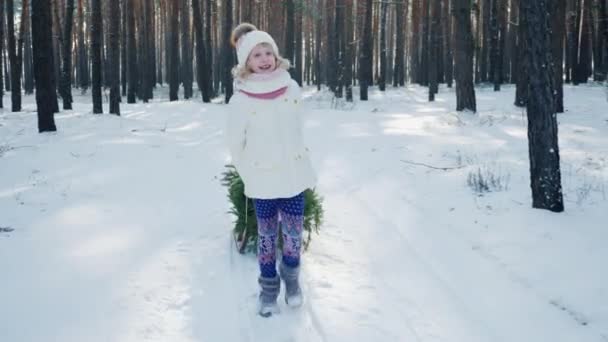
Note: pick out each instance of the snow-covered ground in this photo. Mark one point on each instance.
(115, 228)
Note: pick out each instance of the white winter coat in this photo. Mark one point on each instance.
(265, 140)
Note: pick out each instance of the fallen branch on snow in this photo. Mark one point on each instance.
(433, 167)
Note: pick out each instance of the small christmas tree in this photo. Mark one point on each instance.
(246, 228)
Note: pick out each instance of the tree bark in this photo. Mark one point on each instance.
(201, 56)
(96, 33)
(383, 63)
(43, 57)
(66, 76)
(365, 53)
(1, 53)
(133, 79)
(114, 54)
(186, 65)
(228, 59)
(12, 55)
(558, 23)
(545, 176)
(463, 56)
(434, 48)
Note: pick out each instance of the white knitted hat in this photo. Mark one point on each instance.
(248, 41)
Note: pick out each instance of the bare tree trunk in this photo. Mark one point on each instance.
(43, 57)
(383, 63)
(558, 23)
(114, 57)
(228, 59)
(132, 72)
(365, 53)
(66, 77)
(12, 55)
(545, 176)
(186, 64)
(96, 33)
(434, 48)
(201, 56)
(463, 55)
(448, 42)
(1, 53)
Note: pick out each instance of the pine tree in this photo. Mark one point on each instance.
(1, 53)
(96, 33)
(66, 76)
(545, 176)
(114, 57)
(43, 57)
(463, 56)
(15, 62)
(365, 53)
(228, 59)
(132, 68)
(201, 55)
(186, 64)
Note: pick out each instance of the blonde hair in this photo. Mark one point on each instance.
(244, 71)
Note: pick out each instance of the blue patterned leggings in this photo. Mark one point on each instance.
(290, 211)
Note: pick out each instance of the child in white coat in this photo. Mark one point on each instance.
(265, 137)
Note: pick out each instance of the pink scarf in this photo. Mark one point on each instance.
(266, 96)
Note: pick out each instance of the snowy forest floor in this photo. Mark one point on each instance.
(116, 228)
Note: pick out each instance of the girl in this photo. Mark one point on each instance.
(265, 137)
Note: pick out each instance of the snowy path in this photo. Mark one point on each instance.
(121, 232)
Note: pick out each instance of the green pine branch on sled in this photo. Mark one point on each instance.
(245, 224)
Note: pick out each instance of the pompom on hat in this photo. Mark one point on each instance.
(249, 40)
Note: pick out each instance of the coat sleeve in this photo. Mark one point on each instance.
(236, 129)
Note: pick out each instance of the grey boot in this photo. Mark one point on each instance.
(293, 292)
(267, 302)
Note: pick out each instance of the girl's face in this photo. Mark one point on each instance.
(261, 59)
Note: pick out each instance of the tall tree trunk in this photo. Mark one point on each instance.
(123, 47)
(173, 65)
(289, 44)
(28, 72)
(1, 53)
(317, 62)
(425, 60)
(348, 51)
(298, 63)
(209, 48)
(545, 177)
(186, 65)
(400, 19)
(463, 56)
(558, 23)
(83, 58)
(12, 55)
(486, 6)
(57, 38)
(415, 43)
(521, 92)
(383, 63)
(604, 33)
(513, 43)
(96, 33)
(448, 41)
(201, 56)
(228, 59)
(114, 54)
(43, 57)
(434, 48)
(66, 77)
(495, 56)
(365, 53)
(133, 79)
